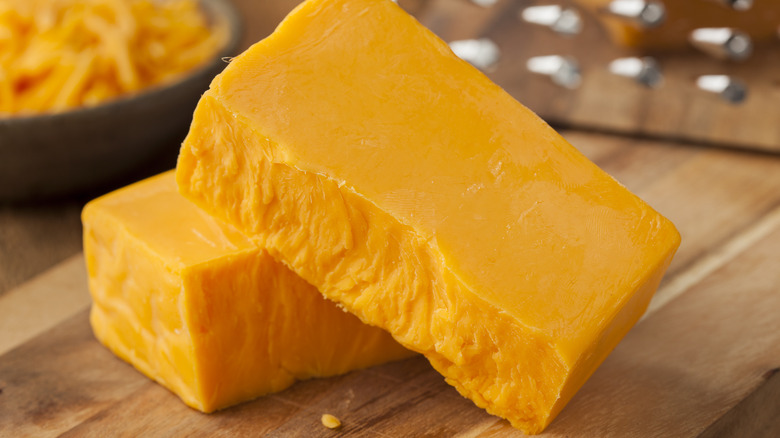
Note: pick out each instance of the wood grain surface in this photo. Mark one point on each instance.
(703, 362)
(35, 237)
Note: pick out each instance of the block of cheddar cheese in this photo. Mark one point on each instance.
(400, 181)
(195, 305)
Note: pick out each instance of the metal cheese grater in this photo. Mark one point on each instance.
(706, 71)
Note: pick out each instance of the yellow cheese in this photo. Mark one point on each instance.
(56, 55)
(194, 305)
(357, 148)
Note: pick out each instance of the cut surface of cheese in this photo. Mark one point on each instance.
(402, 183)
(195, 305)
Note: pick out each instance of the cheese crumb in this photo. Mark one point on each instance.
(330, 421)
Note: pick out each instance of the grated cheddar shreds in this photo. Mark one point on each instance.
(61, 54)
(330, 421)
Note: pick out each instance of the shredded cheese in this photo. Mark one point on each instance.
(61, 54)
(330, 421)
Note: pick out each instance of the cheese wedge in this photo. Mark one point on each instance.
(195, 305)
(761, 21)
(402, 183)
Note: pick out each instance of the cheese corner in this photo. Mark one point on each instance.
(196, 306)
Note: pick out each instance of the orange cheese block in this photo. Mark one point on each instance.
(195, 305)
(402, 183)
(683, 16)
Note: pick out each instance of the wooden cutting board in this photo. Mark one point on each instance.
(703, 361)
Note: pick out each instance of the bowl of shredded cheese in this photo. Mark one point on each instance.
(92, 89)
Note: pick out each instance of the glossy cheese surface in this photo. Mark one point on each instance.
(357, 148)
(195, 305)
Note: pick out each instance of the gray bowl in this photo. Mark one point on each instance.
(51, 155)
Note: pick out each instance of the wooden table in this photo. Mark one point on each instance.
(702, 362)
